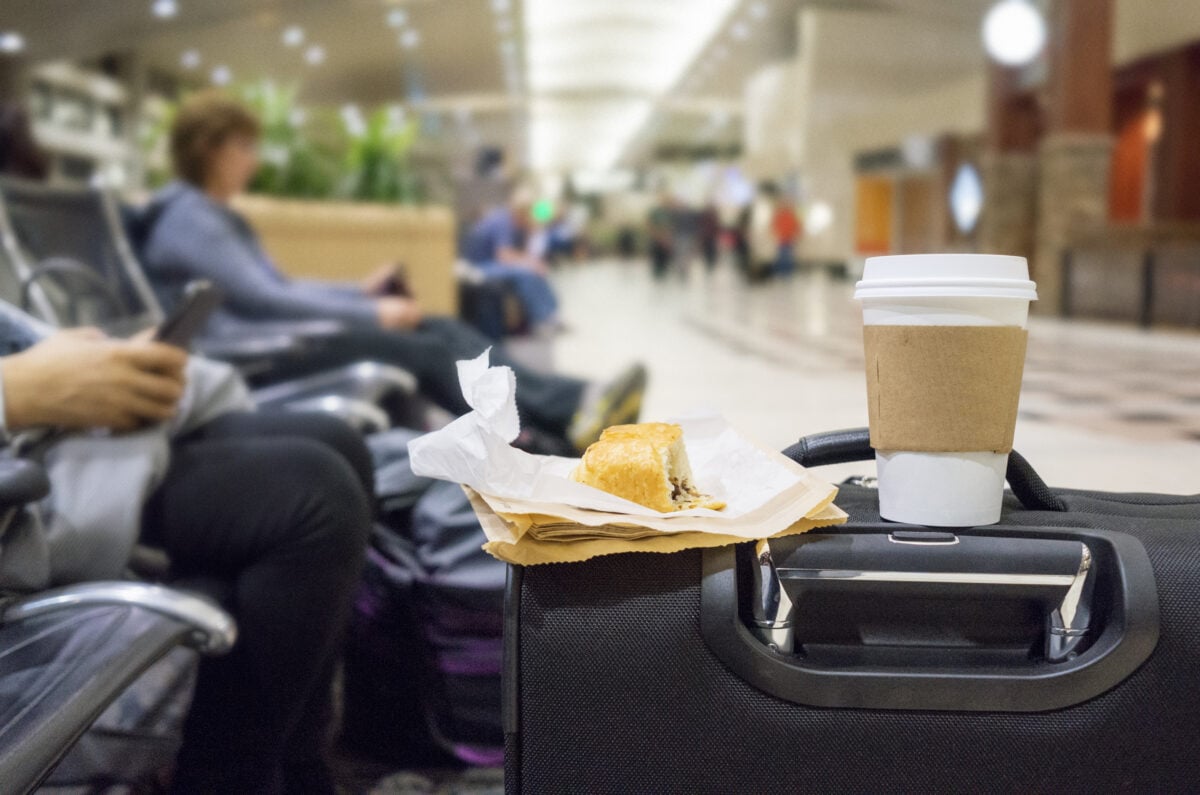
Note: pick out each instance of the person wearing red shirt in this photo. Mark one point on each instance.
(786, 226)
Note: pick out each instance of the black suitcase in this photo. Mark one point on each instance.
(1054, 652)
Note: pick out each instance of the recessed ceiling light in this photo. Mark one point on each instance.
(164, 9)
(1014, 32)
(397, 17)
(190, 59)
(221, 75)
(293, 35)
(298, 117)
(504, 25)
(500, 6)
(758, 10)
(315, 55)
(410, 38)
(740, 31)
(11, 41)
(508, 47)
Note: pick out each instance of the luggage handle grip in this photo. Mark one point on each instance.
(1056, 573)
(854, 444)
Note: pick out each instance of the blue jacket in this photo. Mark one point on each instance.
(194, 237)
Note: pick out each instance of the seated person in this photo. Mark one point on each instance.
(501, 245)
(196, 235)
(277, 506)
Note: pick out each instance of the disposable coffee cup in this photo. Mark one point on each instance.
(945, 341)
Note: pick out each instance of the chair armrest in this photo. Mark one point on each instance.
(66, 655)
(241, 349)
(366, 381)
(21, 482)
(213, 631)
(364, 417)
(308, 330)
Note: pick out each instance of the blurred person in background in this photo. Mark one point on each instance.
(763, 243)
(510, 246)
(710, 234)
(660, 231)
(788, 230)
(686, 223)
(194, 233)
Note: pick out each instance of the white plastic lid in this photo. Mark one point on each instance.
(956, 275)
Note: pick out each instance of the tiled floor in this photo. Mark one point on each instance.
(1105, 407)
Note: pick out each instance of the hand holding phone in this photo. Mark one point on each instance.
(200, 298)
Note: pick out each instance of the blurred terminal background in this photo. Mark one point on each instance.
(1064, 131)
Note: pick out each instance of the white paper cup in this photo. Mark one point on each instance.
(960, 489)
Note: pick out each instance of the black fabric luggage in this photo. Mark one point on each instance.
(423, 656)
(1054, 652)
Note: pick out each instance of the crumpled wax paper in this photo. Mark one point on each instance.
(765, 493)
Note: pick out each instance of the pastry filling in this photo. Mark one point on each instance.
(681, 488)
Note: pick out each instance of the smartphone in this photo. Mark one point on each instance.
(200, 298)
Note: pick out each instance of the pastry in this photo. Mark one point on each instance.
(646, 464)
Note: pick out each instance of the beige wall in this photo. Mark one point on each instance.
(840, 97)
(774, 120)
(1143, 27)
(846, 101)
(829, 168)
(346, 242)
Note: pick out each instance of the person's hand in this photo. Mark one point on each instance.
(401, 314)
(378, 281)
(79, 379)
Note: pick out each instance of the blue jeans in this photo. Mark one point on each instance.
(533, 291)
(785, 263)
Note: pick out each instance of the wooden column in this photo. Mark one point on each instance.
(1080, 76)
(1008, 166)
(1075, 156)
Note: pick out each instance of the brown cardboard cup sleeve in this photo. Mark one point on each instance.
(943, 389)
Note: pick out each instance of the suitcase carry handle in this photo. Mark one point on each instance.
(854, 444)
(881, 615)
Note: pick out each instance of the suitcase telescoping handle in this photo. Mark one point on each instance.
(878, 615)
(854, 444)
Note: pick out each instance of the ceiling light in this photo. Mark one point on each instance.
(740, 31)
(397, 17)
(596, 70)
(221, 75)
(164, 9)
(1014, 32)
(819, 217)
(293, 36)
(758, 10)
(315, 55)
(11, 41)
(966, 198)
(504, 25)
(508, 47)
(501, 6)
(190, 59)
(410, 39)
(298, 117)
